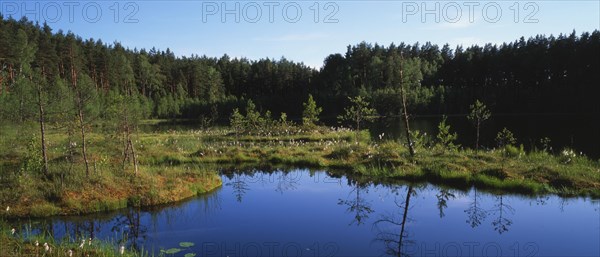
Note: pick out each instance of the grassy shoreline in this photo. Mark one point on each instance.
(175, 165)
(535, 172)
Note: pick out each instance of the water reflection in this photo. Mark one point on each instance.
(311, 209)
(475, 213)
(356, 202)
(392, 228)
(287, 181)
(442, 200)
(239, 185)
(502, 209)
(129, 229)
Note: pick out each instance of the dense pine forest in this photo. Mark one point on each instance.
(55, 74)
(72, 140)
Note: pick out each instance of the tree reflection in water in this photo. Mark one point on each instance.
(357, 204)
(238, 184)
(129, 229)
(395, 242)
(475, 213)
(287, 181)
(443, 196)
(501, 208)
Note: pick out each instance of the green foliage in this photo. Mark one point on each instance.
(358, 112)
(33, 162)
(513, 151)
(168, 107)
(310, 115)
(420, 139)
(283, 121)
(236, 121)
(388, 150)
(253, 119)
(446, 138)
(478, 112)
(505, 137)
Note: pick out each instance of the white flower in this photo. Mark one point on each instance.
(82, 244)
(12, 231)
(70, 253)
(46, 247)
(122, 250)
(37, 243)
(7, 208)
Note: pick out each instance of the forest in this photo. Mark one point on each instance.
(72, 112)
(41, 69)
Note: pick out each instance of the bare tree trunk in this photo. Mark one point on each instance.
(358, 120)
(126, 150)
(83, 144)
(79, 112)
(405, 112)
(477, 138)
(11, 74)
(42, 129)
(129, 149)
(135, 164)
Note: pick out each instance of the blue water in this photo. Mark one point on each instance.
(304, 213)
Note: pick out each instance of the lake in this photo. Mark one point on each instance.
(299, 212)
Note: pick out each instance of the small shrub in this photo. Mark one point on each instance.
(445, 137)
(310, 115)
(419, 140)
(505, 137)
(33, 157)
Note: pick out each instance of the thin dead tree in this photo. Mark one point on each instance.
(411, 148)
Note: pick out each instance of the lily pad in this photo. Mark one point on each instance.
(171, 251)
(189, 255)
(186, 244)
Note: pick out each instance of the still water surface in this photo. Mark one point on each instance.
(309, 213)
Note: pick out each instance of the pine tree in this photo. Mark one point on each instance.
(479, 113)
(310, 115)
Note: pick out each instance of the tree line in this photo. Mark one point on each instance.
(542, 74)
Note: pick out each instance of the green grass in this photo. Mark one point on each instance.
(175, 165)
(165, 175)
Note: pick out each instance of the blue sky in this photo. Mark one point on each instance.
(197, 27)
